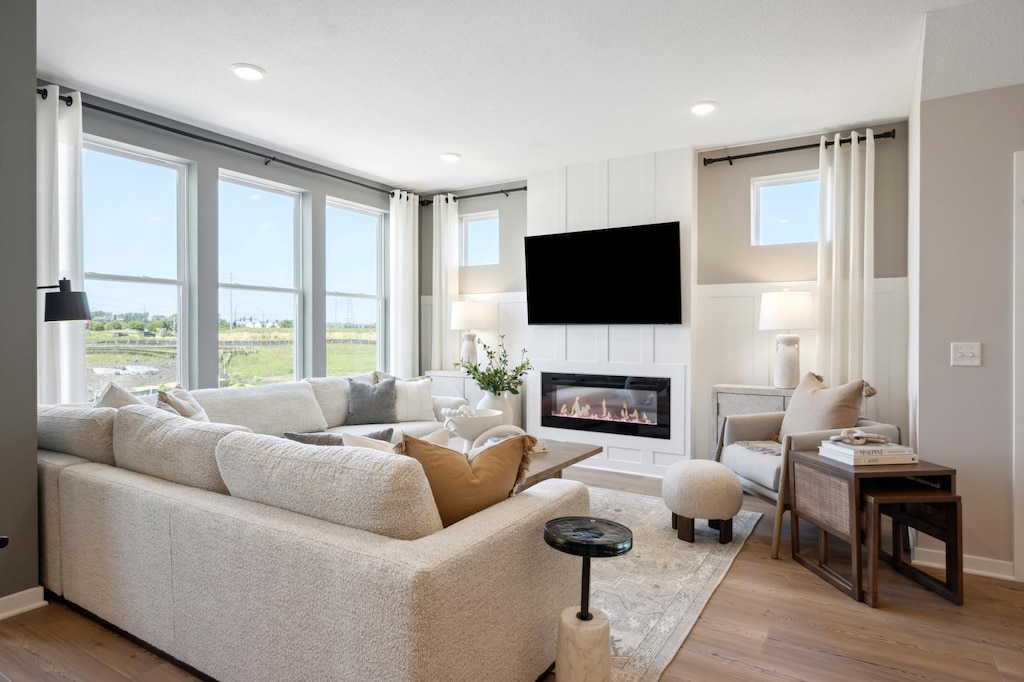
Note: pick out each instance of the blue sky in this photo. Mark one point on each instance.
(130, 219)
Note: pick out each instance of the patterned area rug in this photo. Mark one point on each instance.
(654, 594)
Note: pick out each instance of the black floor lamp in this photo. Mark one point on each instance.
(64, 304)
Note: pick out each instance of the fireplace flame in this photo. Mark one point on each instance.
(585, 411)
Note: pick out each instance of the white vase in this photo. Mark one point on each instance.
(490, 401)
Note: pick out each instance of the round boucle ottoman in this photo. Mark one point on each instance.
(702, 489)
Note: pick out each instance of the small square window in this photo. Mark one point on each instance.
(480, 239)
(784, 208)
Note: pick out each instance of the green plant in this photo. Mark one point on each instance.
(495, 376)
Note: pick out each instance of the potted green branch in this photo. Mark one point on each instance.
(497, 378)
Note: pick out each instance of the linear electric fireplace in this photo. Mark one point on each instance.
(629, 406)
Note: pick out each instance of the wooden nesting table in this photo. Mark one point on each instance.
(560, 454)
(848, 501)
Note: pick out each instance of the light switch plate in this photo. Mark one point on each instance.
(964, 354)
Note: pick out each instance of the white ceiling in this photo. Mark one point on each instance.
(382, 87)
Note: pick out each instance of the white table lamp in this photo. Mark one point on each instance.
(470, 315)
(787, 310)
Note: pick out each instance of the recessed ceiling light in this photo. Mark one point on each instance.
(248, 72)
(450, 157)
(704, 107)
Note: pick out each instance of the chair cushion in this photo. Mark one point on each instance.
(759, 461)
(816, 407)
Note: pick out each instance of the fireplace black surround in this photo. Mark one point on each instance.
(628, 406)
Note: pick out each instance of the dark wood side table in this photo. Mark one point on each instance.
(830, 495)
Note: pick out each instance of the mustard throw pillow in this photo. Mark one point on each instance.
(816, 407)
(462, 487)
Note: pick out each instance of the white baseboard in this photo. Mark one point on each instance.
(974, 565)
(20, 602)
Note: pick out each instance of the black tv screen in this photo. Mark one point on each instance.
(621, 275)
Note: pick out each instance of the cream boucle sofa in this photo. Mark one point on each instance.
(335, 567)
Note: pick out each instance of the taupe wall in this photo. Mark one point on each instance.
(966, 287)
(19, 564)
(507, 276)
(725, 254)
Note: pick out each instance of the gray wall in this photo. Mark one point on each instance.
(510, 274)
(965, 415)
(725, 254)
(19, 563)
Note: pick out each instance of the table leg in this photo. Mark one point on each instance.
(873, 519)
(584, 612)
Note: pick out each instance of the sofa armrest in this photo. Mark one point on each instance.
(739, 427)
(812, 439)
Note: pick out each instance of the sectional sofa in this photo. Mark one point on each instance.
(327, 563)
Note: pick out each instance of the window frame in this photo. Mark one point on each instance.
(296, 290)
(184, 167)
(381, 297)
(756, 183)
(464, 221)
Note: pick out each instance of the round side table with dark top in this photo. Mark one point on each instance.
(584, 643)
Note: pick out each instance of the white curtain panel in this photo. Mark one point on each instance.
(403, 295)
(846, 259)
(444, 350)
(60, 345)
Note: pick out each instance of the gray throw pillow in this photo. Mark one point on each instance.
(371, 404)
(336, 438)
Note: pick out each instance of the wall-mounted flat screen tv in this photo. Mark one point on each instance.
(620, 275)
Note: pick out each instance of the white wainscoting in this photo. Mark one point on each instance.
(730, 349)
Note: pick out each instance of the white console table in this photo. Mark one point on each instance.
(460, 384)
(730, 399)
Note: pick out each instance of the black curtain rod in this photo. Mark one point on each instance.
(428, 202)
(44, 93)
(266, 159)
(828, 143)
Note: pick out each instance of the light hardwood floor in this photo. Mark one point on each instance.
(768, 620)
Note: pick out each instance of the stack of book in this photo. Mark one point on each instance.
(869, 453)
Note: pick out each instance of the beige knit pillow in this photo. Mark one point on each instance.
(816, 407)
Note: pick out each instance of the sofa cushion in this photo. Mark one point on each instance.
(332, 394)
(83, 431)
(330, 438)
(371, 404)
(816, 407)
(355, 487)
(413, 401)
(115, 395)
(271, 409)
(182, 402)
(438, 437)
(462, 487)
(169, 446)
(758, 461)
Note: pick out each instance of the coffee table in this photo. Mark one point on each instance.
(560, 454)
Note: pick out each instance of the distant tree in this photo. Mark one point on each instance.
(137, 325)
(286, 324)
(101, 315)
(97, 326)
(223, 325)
(113, 325)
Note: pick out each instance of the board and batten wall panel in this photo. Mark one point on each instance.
(739, 353)
(635, 190)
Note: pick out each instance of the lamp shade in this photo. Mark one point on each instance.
(63, 305)
(786, 310)
(474, 315)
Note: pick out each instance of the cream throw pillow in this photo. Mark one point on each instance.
(462, 487)
(115, 395)
(413, 402)
(439, 437)
(183, 403)
(816, 407)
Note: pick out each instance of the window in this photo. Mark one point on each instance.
(258, 231)
(784, 208)
(132, 245)
(354, 282)
(480, 234)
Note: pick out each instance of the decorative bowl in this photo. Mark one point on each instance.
(470, 427)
